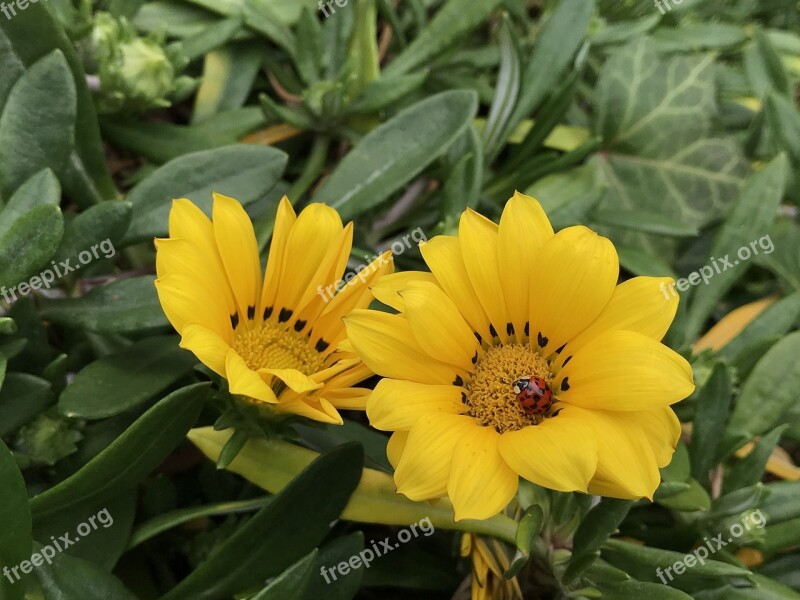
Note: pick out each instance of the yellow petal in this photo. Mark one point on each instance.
(294, 379)
(284, 221)
(524, 228)
(559, 453)
(317, 409)
(386, 288)
(443, 256)
(387, 346)
(395, 447)
(206, 345)
(242, 380)
(351, 398)
(424, 467)
(438, 326)
(396, 405)
(642, 304)
(481, 483)
(624, 370)
(627, 466)
(182, 297)
(575, 274)
(307, 256)
(661, 428)
(236, 241)
(731, 325)
(477, 237)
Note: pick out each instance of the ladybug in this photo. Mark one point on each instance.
(533, 395)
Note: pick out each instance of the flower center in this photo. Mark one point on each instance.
(491, 397)
(269, 345)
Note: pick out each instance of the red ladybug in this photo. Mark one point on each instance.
(533, 395)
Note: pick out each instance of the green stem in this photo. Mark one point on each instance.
(162, 523)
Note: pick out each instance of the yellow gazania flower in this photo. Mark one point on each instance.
(507, 302)
(277, 340)
(489, 564)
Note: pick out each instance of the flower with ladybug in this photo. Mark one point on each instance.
(519, 354)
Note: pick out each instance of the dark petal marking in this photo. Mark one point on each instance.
(565, 384)
(458, 381)
(527, 328)
(267, 312)
(285, 315)
(569, 358)
(492, 330)
(235, 320)
(541, 340)
(321, 346)
(464, 398)
(478, 335)
(558, 351)
(299, 325)
(251, 312)
(510, 328)
(475, 358)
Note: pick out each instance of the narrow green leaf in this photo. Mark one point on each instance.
(132, 456)
(22, 397)
(750, 469)
(713, 408)
(595, 528)
(210, 38)
(784, 122)
(340, 587)
(749, 220)
(124, 380)
(293, 582)
(382, 92)
(97, 230)
(644, 221)
(774, 321)
(640, 589)
(271, 540)
(507, 89)
(392, 154)
(15, 534)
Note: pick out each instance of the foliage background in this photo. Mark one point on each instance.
(675, 134)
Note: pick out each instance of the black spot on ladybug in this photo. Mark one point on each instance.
(299, 325)
(565, 384)
(541, 340)
(321, 346)
(267, 312)
(569, 358)
(235, 320)
(251, 312)
(285, 315)
(458, 381)
(527, 329)
(510, 328)
(492, 331)
(533, 395)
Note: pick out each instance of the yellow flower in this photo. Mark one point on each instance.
(278, 339)
(489, 564)
(516, 301)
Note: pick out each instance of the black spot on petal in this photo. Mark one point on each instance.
(475, 358)
(527, 328)
(464, 398)
(558, 351)
(492, 331)
(478, 336)
(321, 346)
(569, 358)
(267, 312)
(458, 381)
(542, 341)
(565, 384)
(510, 328)
(235, 320)
(299, 325)
(251, 312)
(285, 315)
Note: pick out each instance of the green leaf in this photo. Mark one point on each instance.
(280, 533)
(750, 469)
(246, 173)
(22, 397)
(641, 262)
(210, 38)
(69, 578)
(763, 589)
(778, 505)
(15, 534)
(560, 37)
(639, 589)
(293, 582)
(692, 499)
(595, 528)
(131, 457)
(383, 92)
(659, 150)
(764, 67)
(343, 587)
(567, 197)
(37, 122)
(644, 221)
(642, 561)
(393, 153)
(698, 36)
(507, 89)
(772, 394)
(784, 121)
(125, 305)
(99, 227)
(751, 216)
(773, 321)
(711, 414)
(127, 379)
(27, 246)
(455, 20)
